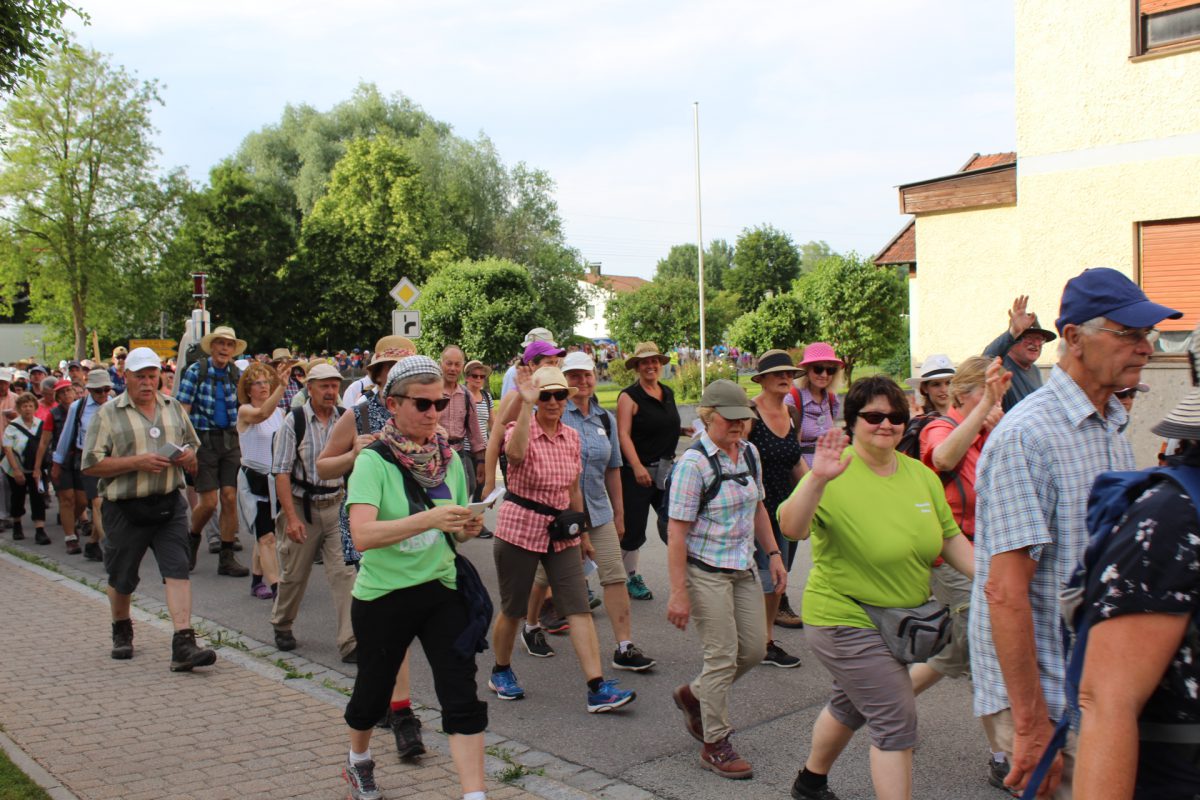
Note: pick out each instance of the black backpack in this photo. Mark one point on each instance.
(232, 373)
(910, 442)
(710, 491)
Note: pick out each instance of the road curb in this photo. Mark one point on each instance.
(49, 784)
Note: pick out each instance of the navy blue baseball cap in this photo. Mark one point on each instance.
(1105, 292)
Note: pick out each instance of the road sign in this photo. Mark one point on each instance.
(163, 348)
(405, 293)
(406, 323)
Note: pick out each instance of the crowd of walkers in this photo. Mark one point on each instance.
(942, 525)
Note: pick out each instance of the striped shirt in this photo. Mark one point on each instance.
(316, 434)
(551, 465)
(120, 429)
(1035, 475)
(459, 421)
(723, 536)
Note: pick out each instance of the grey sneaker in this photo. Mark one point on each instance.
(361, 777)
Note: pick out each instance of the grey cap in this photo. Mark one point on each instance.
(727, 399)
(411, 367)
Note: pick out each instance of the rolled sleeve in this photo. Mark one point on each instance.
(687, 485)
(614, 457)
(1013, 488)
(97, 445)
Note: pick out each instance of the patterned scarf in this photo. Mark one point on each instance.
(427, 462)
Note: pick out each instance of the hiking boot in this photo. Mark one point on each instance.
(186, 654)
(18, 533)
(40, 537)
(632, 659)
(504, 684)
(637, 588)
(535, 643)
(214, 546)
(406, 727)
(722, 759)
(608, 697)
(237, 545)
(73, 548)
(997, 772)
(194, 548)
(778, 657)
(785, 617)
(229, 565)
(361, 777)
(686, 702)
(284, 640)
(122, 636)
(802, 792)
(92, 552)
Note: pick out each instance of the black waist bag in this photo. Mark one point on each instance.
(565, 525)
(258, 482)
(149, 512)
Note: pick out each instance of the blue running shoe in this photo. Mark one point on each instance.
(504, 684)
(609, 697)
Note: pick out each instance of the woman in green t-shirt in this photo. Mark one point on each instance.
(407, 585)
(878, 520)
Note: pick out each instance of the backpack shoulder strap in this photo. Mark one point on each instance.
(300, 426)
(362, 422)
(201, 370)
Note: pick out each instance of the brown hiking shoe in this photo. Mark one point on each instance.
(785, 617)
(686, 701)
(229, 565)
(186, 654)
(722, 759)
(122, 636)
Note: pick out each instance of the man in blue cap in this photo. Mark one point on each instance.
(1031, 519)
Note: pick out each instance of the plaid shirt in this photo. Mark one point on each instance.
(121, 429)
(1035, 475)
(289, 392)
(459, 421)
(723, 536)
(552, 464)
(203, 399)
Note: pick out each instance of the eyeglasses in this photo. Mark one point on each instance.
(1125, 394)
(558, 394)
(821, 369)
(101, 390)
(1134, 334)
(475, 377)
(260, 383)
(877, 417)
(423, 404)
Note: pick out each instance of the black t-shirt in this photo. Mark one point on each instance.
(1151, 564)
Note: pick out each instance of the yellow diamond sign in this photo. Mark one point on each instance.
(405, 293)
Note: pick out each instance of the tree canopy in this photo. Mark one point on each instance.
(681, 262)
(667, 312)
(781, 321)
(30, 32)
(765, 262)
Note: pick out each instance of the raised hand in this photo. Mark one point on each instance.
(995, 383)
(529, 392)
(827, 460)
(1019, 318)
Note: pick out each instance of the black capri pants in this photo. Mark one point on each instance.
(385, 628)
(638, 500)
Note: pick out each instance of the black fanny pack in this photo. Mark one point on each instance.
(259, 482)
(146, 512)
(565, 526)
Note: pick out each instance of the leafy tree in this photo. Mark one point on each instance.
(779, 322)
(681, 262)
(30, 32)
(85, 215)
(765, 262)
(667, 312)
(812, 253)
(484, 307)
(860, 307)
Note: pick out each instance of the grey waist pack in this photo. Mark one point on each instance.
(912, 634)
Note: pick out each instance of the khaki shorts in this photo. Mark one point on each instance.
(953, 589)
(515, 567)
(609, 567)
(999, 730)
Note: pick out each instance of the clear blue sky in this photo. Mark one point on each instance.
(810, 112)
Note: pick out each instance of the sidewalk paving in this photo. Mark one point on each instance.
(134, 730)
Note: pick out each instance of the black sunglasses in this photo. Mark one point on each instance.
(877, 417)
(559, 395)
(1125, 394)
(101, 390)
(423, 404)
(821, 369)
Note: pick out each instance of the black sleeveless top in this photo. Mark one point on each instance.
(779, 455)
(655, 427)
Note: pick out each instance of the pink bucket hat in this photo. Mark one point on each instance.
(820, 352)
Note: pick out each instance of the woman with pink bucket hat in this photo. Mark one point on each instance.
(815, 395)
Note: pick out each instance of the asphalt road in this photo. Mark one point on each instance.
(645, 744)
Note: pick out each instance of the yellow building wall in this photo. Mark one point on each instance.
(1076, 87)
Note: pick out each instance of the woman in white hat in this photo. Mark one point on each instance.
(931, 382)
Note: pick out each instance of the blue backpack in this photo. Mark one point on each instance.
(1111, 496)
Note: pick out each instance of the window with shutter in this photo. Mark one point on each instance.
(1169, 268)
(1164, 26)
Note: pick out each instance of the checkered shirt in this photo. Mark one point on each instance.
(551, 465)
(1035, 475)
(203, 400)
(723, 536)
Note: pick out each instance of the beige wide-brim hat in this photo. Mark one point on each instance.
(552, 379)
(99, 379)
(476, 364)
(323, 371)
(645, 350)
(389, 350)
(282, 354)
(223, 332)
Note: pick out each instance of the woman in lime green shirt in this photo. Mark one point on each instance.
(406, 585)
(878, 520)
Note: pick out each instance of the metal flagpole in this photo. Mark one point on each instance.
(700, 248)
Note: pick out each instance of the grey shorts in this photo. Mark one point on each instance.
(125, 545)
(609, 567)
(869, 685)
(220, 460)
(515, 567)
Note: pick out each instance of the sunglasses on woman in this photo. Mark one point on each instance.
(821, 369)
(559, 395)
(423, 404)
(877, 417)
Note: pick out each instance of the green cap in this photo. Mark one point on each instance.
(728, 399)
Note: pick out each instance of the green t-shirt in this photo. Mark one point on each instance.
(418, 559)
(875, 539)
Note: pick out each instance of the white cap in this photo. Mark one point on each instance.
(6, 374)
(21, 375)
(241, 364)
(578, 360)
(141, 358)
